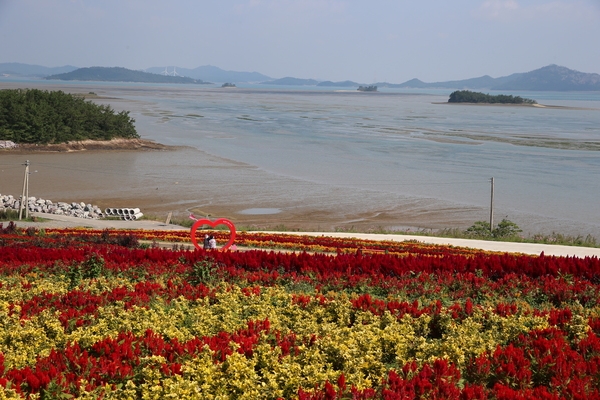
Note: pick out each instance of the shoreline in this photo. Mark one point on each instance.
(518, 105)
(117, 144)
(159, 182)
(156, 182)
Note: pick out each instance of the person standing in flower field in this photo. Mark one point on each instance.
(206, 242)
(212, 243)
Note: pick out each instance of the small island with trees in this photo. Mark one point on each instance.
(370, 88)
(36, 119)
(466, 96)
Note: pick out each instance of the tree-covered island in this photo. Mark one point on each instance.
(51, 117)
(466, 96)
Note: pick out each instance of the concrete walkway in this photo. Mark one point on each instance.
(63, 221)
(60, 221)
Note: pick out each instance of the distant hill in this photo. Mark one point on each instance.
(553, 77)
(212, 74)
(483, 82)
(119, 74)
(338, 84)
(549, 78)
(38, 71)
(289, 81)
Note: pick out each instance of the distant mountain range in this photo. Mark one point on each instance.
(28, 70)
(549, 78)
(211, 74)
(289, 81)
(483, 82)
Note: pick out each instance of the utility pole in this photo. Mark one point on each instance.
(492, 207)
(24, 199)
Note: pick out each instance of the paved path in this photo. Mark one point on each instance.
(60, 221)
(509, 247)
(63, 221)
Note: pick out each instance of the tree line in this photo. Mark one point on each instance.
(466, 96)
(50, 117)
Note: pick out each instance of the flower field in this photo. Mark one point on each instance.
(92, 314)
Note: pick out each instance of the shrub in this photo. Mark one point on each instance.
(481, 229)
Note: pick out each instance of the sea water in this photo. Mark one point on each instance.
(544, 161)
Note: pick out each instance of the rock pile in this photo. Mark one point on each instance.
(80, 210)
(7, 144)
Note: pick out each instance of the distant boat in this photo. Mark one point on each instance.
(371, 88)
(227, 84)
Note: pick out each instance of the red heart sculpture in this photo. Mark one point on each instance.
(212, 224)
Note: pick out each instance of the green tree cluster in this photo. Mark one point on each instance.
(50, 117)
(504, 230)
(466, 96)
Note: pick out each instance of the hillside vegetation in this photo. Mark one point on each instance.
(466, 96)
(37, 116)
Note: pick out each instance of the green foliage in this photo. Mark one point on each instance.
(203, 271)
(504, 230)
(74, 275)
(40, 116)
(558, 238)
(93, 266)
(466, 96)
(479, 229)
(7, 214)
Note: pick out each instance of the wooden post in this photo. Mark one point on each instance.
(492, 207)
(27, 192)
(168, 221)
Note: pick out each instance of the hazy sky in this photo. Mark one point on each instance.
(359, 40)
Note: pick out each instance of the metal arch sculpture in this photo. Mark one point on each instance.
(212, 224)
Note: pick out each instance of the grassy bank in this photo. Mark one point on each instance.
(457, 233)
(13, 215)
